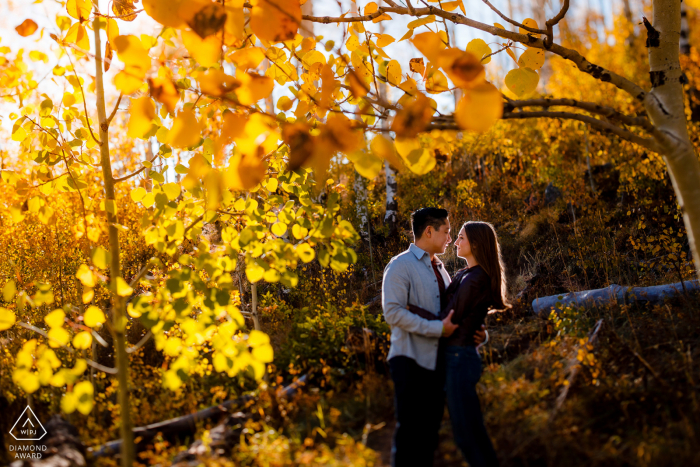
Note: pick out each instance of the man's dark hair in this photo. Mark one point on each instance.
(422, 218)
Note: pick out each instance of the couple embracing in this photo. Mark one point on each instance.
(436, 325)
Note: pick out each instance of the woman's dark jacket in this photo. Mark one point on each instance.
(469, 295)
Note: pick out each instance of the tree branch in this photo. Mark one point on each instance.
(140, 343)
(601, 125)
(598, 72)
(116, 107)
(549, 40)
(514, 23)
(591, 107)
(92, 363)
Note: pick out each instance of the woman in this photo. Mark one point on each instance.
(473, 291)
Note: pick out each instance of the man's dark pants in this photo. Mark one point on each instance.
(419, 399)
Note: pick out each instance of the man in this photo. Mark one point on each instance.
(418, 277)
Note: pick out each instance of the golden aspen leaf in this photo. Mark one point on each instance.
(522, 81)
(532, 58)
(264, 353)
(301, 143)
(278, 228)
(186, 130)
(164, 11)
(28, 381)
(249, 57)
(7, 319)
(205, 17)
(511, 54)
(357, 86)
(311, 58)
(82, 340)
(55, 319)
(27, 28)
(78, 36)
(352, 43)
(417, 65)
(384, 39)
(141, 113)
(405, 146)
(384, 148)
(299, 232)
(164, 91)
(429, 44)
(530, 23)
(9, 290)
(216, 82)
(328, 86)
(94, 317)
(206, 52)
(463, 68)
(101, 257)
(122, 288)
(479, 48)
(437, 83)
(86, 276)
(371, 8)
(253, 88)
(79, 9)
(450, 6)
(284, 103)
(173, 346)
(479, 108)
(124, 9)
(131, 51)
(366, 163)
(88, 294)
(413, 117)
(420, 161)
(272, 185)
(112, 29)
(408, 35)
(234, 28)
(275, 20)
(171, 190)
(421, 21)
(254, 272)
(499, 25)
(37, 56)
(58, 337)
(304, 251)
(84, 397)
(382, 17)
(127, 83)
(108, 57)
(244, 172)
(393, 73)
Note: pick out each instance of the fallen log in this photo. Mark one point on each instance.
(614, 294)
(187, 424)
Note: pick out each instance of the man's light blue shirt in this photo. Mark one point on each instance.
(409, 279)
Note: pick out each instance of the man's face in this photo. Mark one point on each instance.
(440, 238)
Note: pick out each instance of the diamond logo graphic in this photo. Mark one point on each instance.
(28, 427)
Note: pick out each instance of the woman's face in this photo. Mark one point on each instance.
(463, 248)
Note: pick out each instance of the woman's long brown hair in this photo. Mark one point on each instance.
(487, 253)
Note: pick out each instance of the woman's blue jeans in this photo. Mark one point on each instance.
(463, 365)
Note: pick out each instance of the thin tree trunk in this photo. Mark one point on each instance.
(588, 161)
(665, 106)
(391, 204)
(360, 188)
(119, 319)
(254, 306)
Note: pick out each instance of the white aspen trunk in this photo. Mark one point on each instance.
(254, 306)
(360, 187)
(391, 205)
(665, 106)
